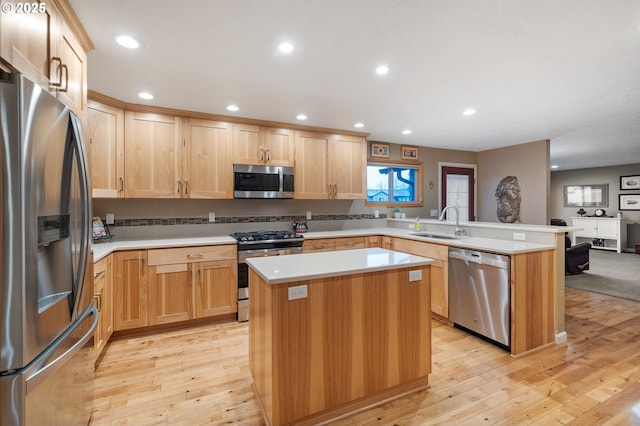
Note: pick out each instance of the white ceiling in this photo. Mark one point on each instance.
(568, 71)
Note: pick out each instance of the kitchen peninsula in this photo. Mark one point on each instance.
(333, 332)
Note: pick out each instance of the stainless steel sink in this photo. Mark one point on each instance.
(437, 236)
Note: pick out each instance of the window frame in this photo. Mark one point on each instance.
(400, 163)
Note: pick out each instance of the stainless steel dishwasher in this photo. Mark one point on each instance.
(479, 296)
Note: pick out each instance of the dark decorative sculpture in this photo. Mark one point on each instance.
(508, 198)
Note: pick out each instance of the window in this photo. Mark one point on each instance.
(394, 184)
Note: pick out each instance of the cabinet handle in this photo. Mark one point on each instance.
(179, 186)
(66, 79)
(186, 186)
(121, 183)
(349, 244)
(58, 83)
(98, 297)
(268, 155)
(194, 255)
(261, 154)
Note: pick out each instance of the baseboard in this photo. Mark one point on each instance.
(561, 337)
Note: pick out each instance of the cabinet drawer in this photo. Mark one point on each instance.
(191, 254)
(323, 244)
(350, 243)
(100, 267)
(434, 251)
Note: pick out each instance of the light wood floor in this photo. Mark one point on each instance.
(200, 376)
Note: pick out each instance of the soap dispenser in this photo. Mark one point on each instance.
(416, 225)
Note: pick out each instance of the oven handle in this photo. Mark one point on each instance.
(246, 254)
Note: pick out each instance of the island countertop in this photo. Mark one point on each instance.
(305, 266)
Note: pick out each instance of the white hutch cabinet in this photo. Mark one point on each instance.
(605, 233)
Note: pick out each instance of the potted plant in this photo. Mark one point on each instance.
(396, 212)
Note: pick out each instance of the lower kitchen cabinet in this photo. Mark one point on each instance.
(331, 244)
(103, 290)
(439, 270)
(192, 282)
(130, 289)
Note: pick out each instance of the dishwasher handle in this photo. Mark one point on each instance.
(481, 258)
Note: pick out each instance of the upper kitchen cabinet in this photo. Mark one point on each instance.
(207, 167)
(46, 42)
(153, 156)
(330, 166)
(105, 140)
(263, 145)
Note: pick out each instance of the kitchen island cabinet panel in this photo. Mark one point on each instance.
(357, 338)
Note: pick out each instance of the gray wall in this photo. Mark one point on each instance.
(529, 162)
(600, 175)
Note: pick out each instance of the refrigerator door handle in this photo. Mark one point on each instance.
(37, 378)
(85, 247)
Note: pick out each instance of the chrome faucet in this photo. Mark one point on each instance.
(459, 230)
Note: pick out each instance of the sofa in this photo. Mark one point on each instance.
(577, 256)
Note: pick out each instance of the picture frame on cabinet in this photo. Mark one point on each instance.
(586, 195)
(409, 153)
(629, 202)
(379, 150)
(630, 182)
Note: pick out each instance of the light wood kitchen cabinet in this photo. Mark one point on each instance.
(103, 289)
(439, 270)
(332, 244)
(263, 145)
(191, 282)
(208, 159)
(105, 140)
(40, 44)
(350, 243)
(152, 156)
(330, 166)
(373, 241)
(130, 288)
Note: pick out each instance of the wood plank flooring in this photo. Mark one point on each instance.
(200, 376)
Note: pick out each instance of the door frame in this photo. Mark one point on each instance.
(473, 167)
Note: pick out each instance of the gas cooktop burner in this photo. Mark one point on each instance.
(247, 237)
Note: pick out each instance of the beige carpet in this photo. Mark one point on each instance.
(610, 273)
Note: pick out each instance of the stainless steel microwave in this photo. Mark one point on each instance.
(253, 181)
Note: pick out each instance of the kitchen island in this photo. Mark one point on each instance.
(333, 332)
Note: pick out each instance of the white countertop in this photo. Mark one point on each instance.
(101, 250)
(307, 266)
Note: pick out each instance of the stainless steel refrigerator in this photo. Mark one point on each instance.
(46, 292)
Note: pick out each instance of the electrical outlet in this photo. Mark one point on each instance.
(415, 275)
(434, 212)
(308, 215)
(376, 214)
(520, 236)
(297, 292)
(109, 219)
(212, 217)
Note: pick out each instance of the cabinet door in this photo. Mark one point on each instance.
(152, 155)
(608, 229)
(349, 243)
(107, 300)
(589, 227)
(73, 90)
(99, 280)
(311, 170)
(208, 168)
(24, 39)
(216, 288)
(170, 294)
(323, 244)
(247, 145)
(278, 146)
(130, 290)
(105, 137)
(440, 288)
(348, 166)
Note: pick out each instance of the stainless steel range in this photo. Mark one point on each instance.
(260, 244)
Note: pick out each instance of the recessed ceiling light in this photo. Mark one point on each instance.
(128, 41)
(359, 125)
(555, 166)
(301, 117)
(469, 111)
(145, 95)
(285, 47)
(233, 108)
(407, 131)
(382, 69)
